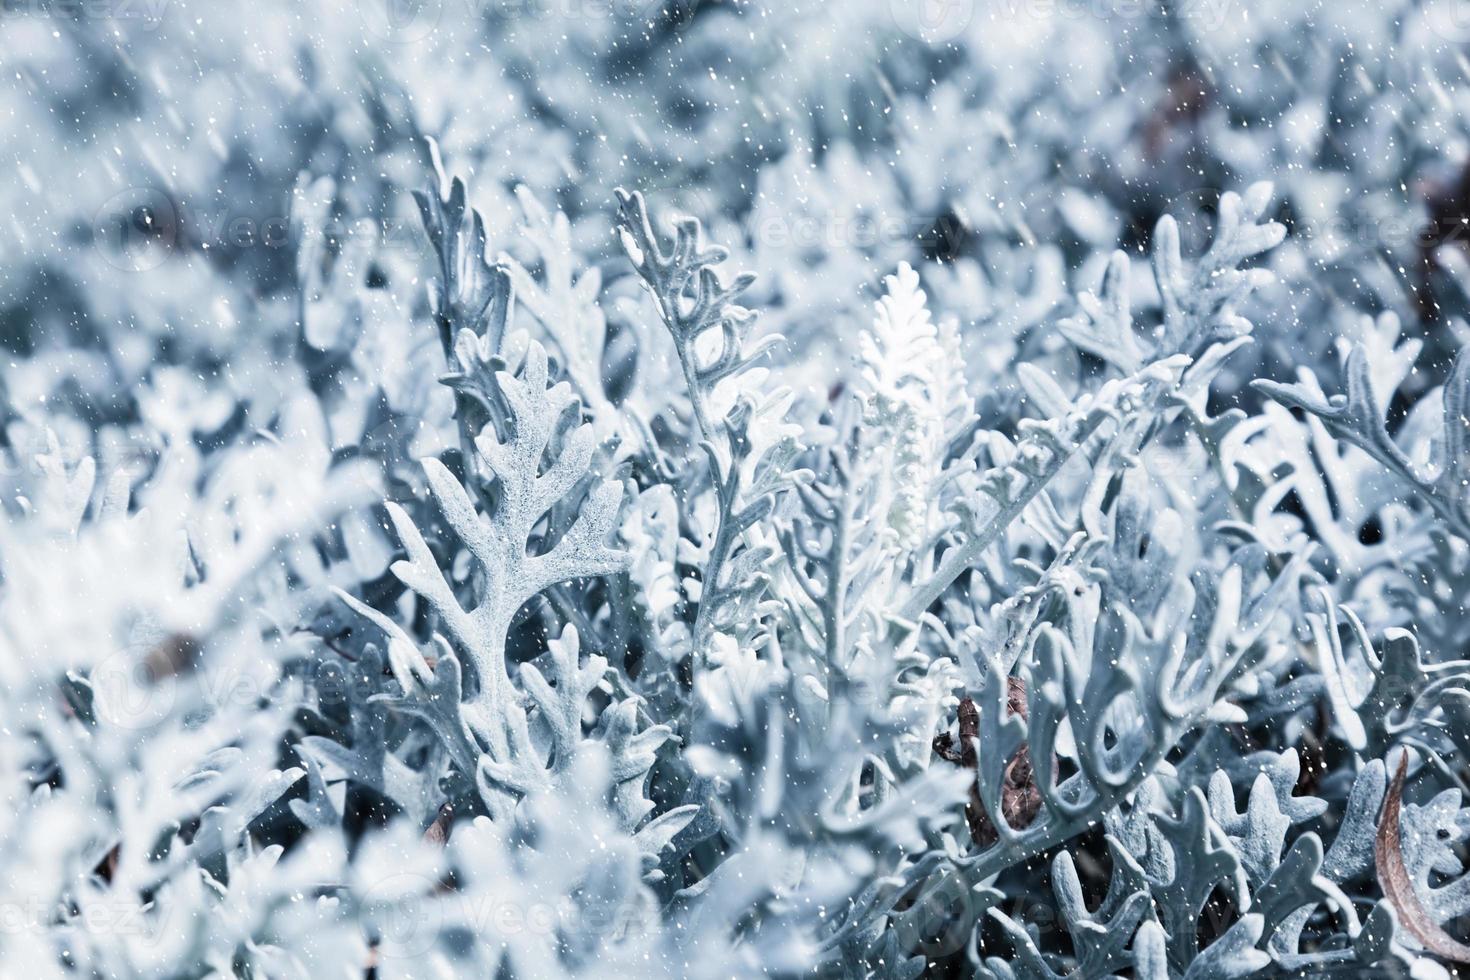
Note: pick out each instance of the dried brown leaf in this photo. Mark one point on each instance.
(1398, 887)
(438, 832)
(1020, 798)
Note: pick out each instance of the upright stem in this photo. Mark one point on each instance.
(962, 556)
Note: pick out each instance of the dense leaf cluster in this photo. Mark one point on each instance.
(723, 489)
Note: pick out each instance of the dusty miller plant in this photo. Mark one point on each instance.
(729, 489)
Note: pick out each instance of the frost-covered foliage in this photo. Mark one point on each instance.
(682, 488)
